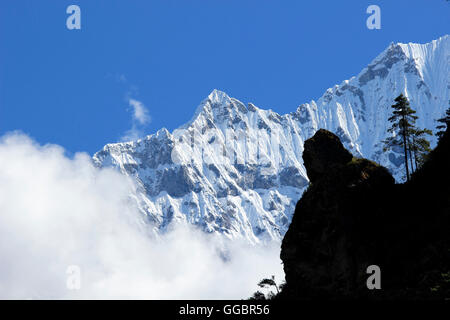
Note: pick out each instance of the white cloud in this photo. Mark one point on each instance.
(56, 212)
(140, 112)
(140, 118)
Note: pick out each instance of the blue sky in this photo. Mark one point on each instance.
(72, 87)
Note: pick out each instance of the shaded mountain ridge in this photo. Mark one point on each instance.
(353, 215)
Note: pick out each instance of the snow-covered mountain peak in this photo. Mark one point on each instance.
(217, 97)
(424, 60)
(237, 170)
(163, 133)
(215, 108)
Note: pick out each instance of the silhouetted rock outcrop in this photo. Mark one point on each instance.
(353, 215)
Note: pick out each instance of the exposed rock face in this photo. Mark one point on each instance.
(325, 249)
(322, 153)
(353, 215)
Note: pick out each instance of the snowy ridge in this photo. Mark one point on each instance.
(237, 170)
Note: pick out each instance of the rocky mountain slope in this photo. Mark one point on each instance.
(237, 169)
(353, 216)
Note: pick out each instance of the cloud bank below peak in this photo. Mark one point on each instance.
(57, 212)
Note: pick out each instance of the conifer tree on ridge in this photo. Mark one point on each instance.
(406, 135)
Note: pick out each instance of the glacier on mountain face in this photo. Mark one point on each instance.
(237, 170)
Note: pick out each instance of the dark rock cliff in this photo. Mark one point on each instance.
(354, 215)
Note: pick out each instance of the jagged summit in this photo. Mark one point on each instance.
(214, 107)
(238, 170)
(218, 97)
(163, 133)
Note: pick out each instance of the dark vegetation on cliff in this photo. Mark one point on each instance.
(354, 215)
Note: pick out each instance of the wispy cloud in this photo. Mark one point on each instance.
(139, 119)
(140, 112)
(140, 116)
